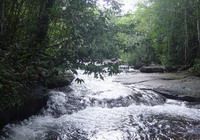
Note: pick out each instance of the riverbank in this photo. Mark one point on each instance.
(178, 86)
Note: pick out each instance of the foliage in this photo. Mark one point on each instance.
(167, 24)
(40, 38)
(134, 44)
(165, 32)
(196, 67)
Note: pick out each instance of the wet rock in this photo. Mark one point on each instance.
(60, 80)
(34, 101)
(60, 103)
(137, 97)
(124, 68)
(193, 105)
(171, 68)
(177, 68)
(183, 68)
(152, 69)
(32, 104)
(138, 66)
(178, 86)
(176, 96)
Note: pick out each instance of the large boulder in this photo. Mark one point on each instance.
(177, 94)
(60, 80)
(177, 86)
(33, 101)
(152, 69)
(137, 66)
(30, 104)
(171, 68)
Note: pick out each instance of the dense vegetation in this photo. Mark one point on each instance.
(162, 31)
(40, 38)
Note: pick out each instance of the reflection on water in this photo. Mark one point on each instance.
(105, 110)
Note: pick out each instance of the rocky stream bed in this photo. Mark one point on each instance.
(129, 106)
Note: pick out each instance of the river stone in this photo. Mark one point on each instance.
(152, 69)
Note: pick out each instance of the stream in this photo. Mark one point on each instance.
(107, 110)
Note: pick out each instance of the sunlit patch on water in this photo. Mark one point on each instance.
(105, 110)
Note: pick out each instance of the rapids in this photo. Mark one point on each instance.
(106, 110)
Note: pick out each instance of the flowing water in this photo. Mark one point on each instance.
(107, 110)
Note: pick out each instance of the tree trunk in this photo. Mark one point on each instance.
(186, 35)
(170, 34)
(43, 20)
(2, 5)
(198, 29)
(39, 39)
